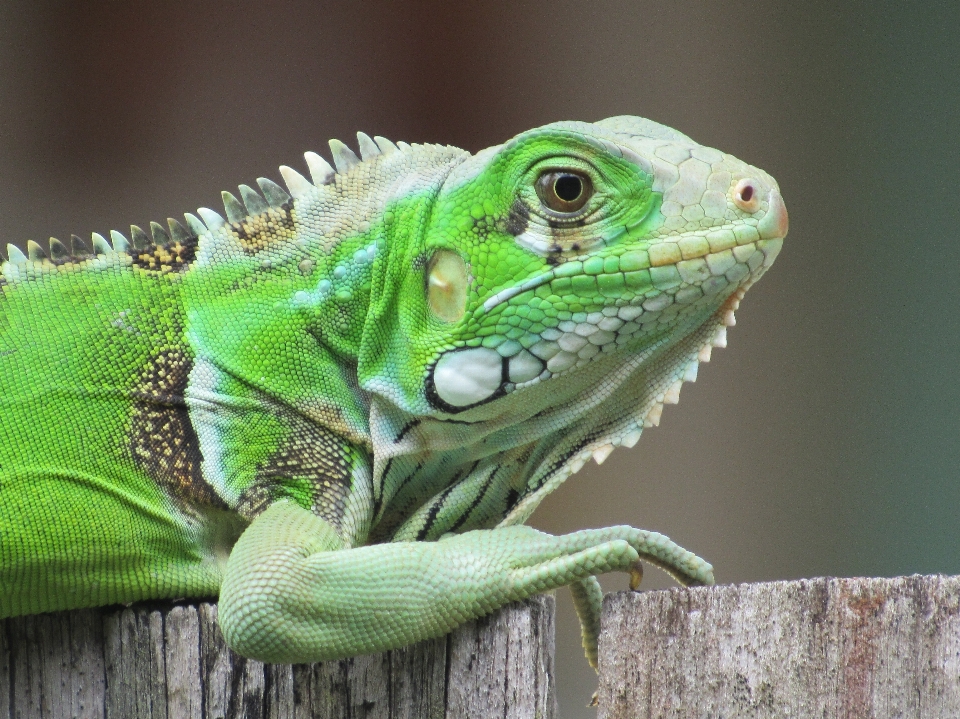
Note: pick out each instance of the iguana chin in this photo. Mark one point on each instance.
(336, 407)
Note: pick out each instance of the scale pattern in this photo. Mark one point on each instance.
(335, 404)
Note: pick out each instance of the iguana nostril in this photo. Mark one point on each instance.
(745, 195)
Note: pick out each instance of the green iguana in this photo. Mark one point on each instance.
(335, 408)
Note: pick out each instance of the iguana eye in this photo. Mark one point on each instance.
(564, 190)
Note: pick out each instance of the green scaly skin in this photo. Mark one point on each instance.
(336, 408)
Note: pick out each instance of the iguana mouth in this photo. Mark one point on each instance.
(648, 290)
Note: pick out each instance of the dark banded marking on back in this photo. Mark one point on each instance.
(163, 259)
(256, 232)
(162, 441)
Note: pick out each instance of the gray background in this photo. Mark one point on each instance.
(823, 441)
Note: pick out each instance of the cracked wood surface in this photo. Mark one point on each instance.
(170, 662)
(850, 648)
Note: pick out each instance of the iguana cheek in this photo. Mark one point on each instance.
(447, 281)
(464, 378)
(467, 377)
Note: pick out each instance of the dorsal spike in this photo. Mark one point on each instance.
(720, 339)
(276, 195)
(35, 252)
(343, 157)
(653, 416)
(235, 210)
(631, 437)
(120, 243)
(212, 219)
(386, 147)
(160, 236)
(141, 240)
(368, 148)
(15, 255)
(100, 244)
(178, 233)
(403, 146)
(254, 203)
(298, 185)
(672, 395)
(195, 224)
(78, 248)
(58, 250)
(601, 453)
(320, 170)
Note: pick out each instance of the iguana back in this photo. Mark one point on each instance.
(95, 440)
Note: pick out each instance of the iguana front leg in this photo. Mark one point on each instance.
(291, 593)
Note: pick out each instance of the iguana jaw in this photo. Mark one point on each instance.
(626, 430)
(687, 277)
(608, 398)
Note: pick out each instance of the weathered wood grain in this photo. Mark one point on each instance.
(55, 667)
(134, 662)
(513, 651)
(848, 648)
(170, 662)
(812, 648)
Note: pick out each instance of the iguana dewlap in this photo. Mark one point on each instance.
(336, 407)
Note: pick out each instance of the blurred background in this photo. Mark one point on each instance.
(824, 441)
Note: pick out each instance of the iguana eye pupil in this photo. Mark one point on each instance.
(568, 187)
(563, 190)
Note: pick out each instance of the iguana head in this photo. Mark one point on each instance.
(551, 261)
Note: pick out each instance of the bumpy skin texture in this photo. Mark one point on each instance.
(337, 407)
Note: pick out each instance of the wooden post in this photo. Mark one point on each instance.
(170, 662)
(850, 648)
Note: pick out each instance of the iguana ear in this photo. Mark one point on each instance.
(447, 284)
